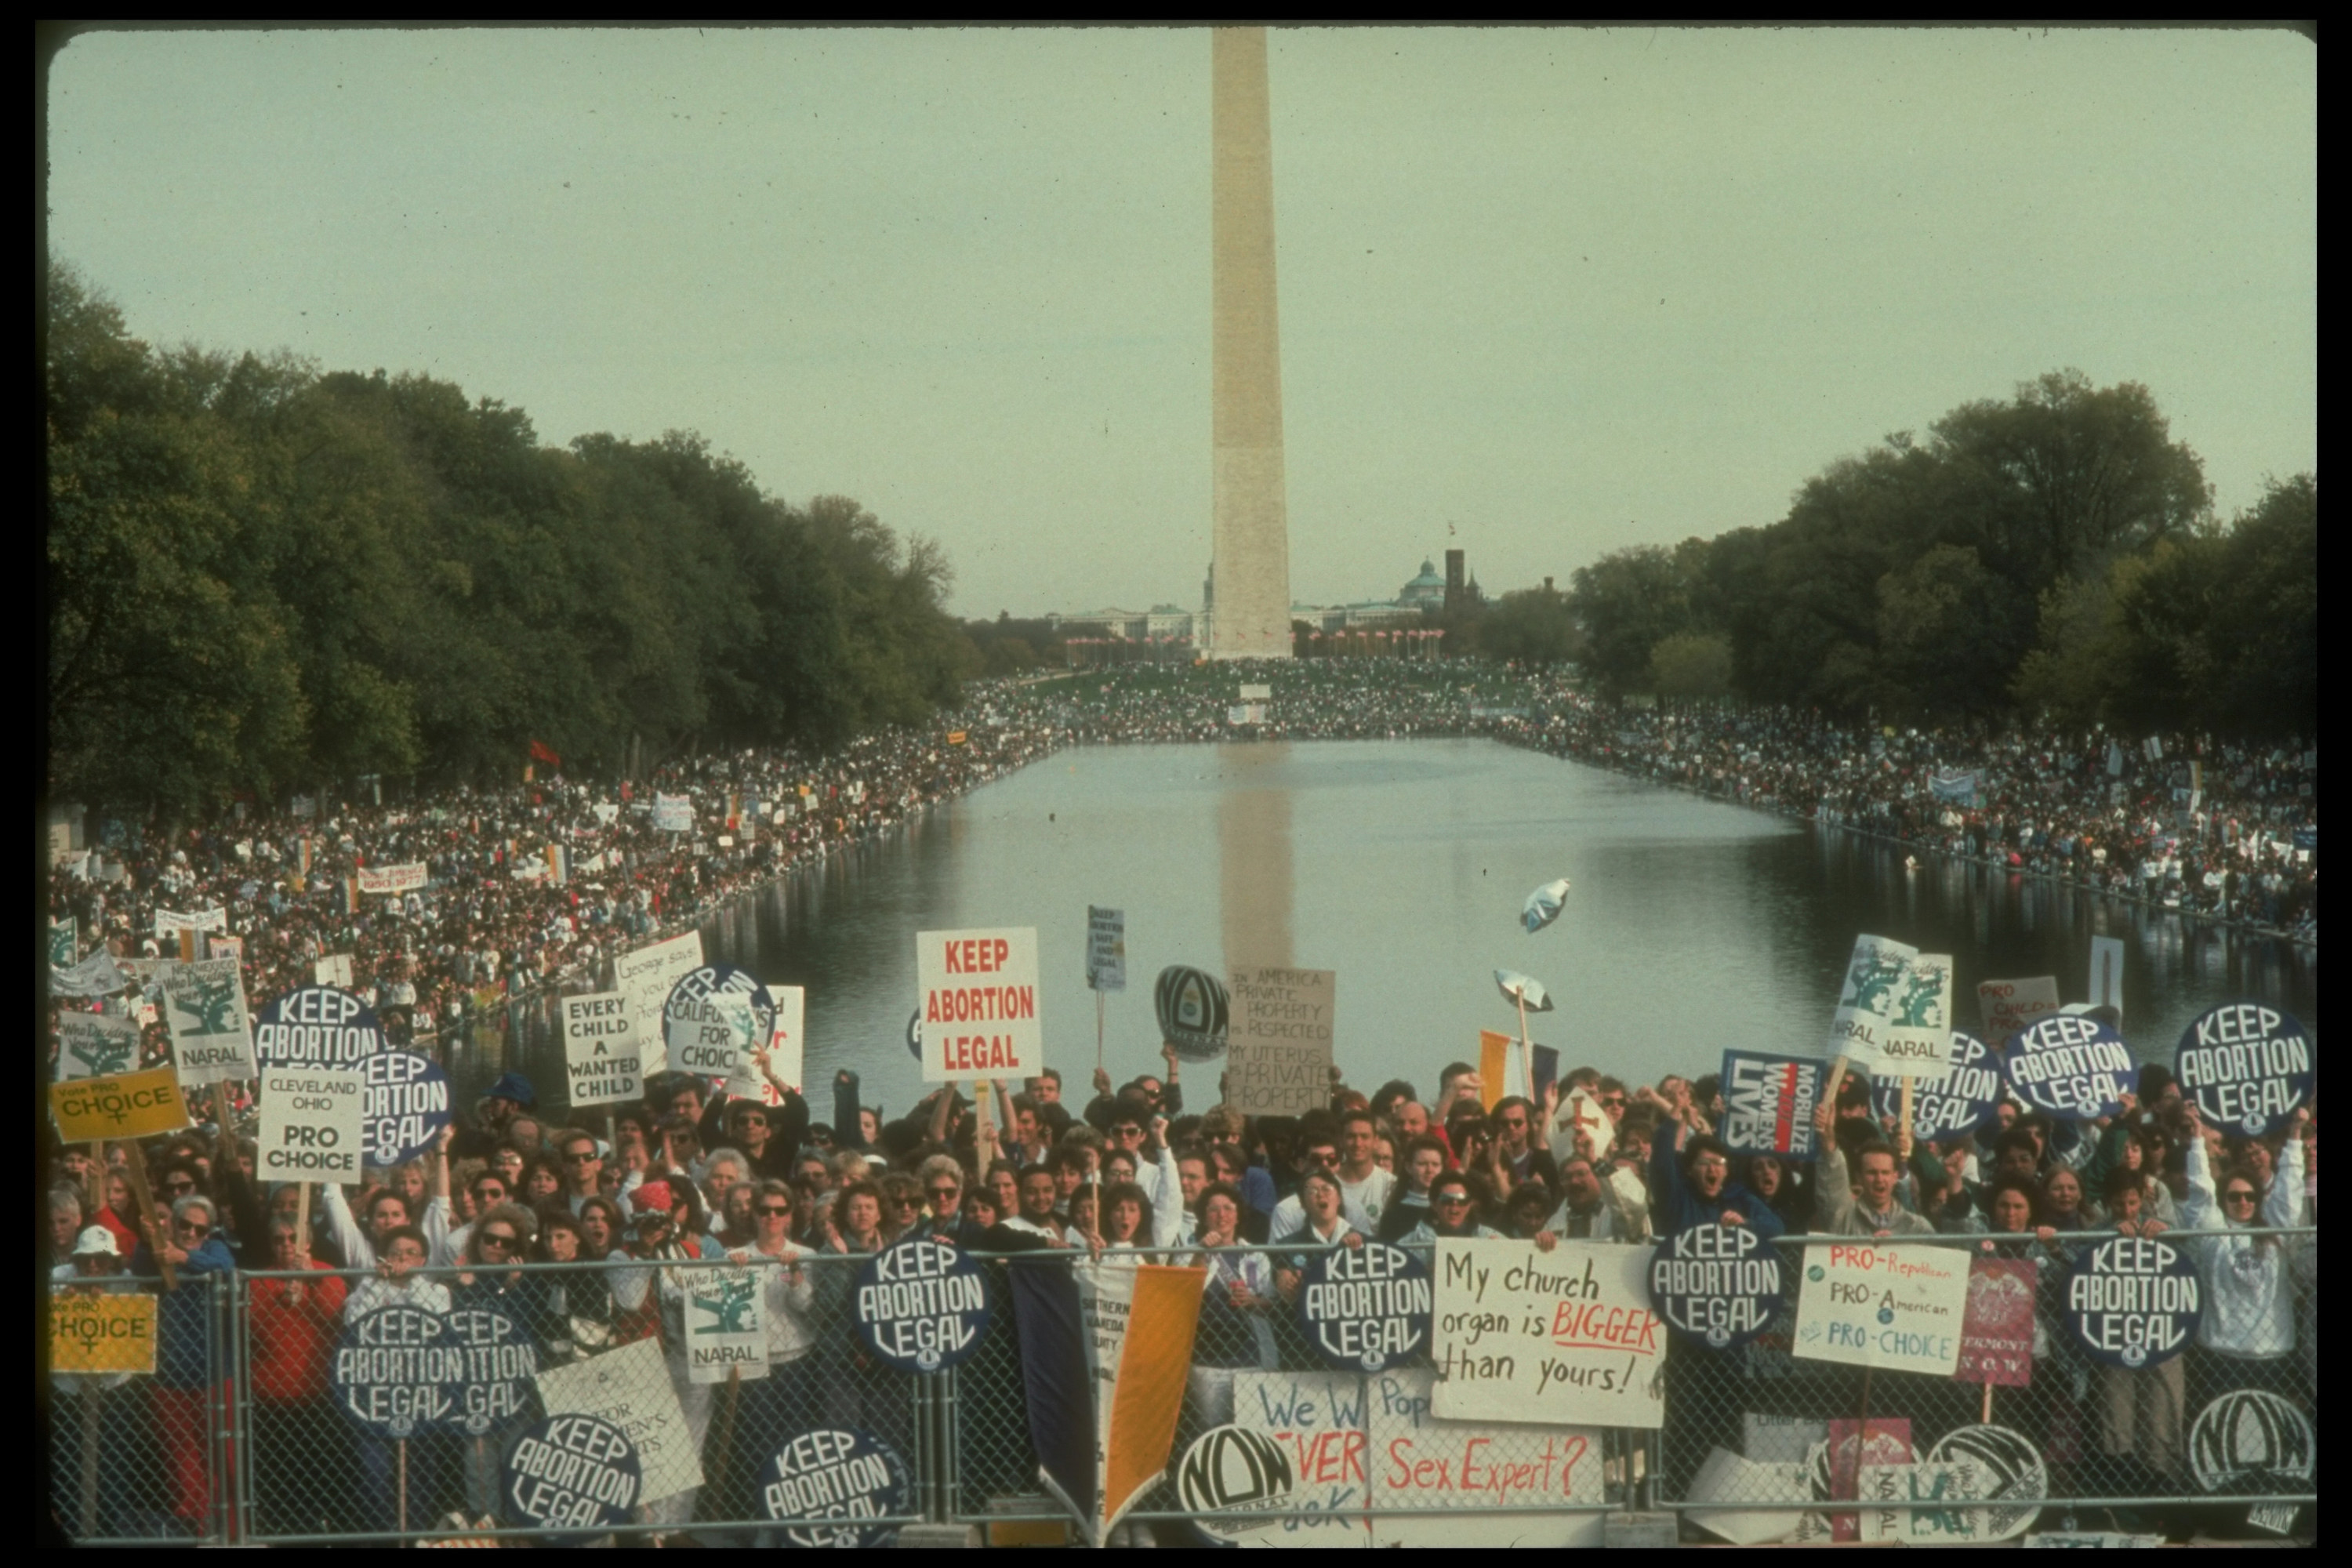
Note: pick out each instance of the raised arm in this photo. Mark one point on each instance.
(2283, 1206)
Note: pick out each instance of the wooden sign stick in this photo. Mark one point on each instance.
(134, 1168)
(1526, 1053)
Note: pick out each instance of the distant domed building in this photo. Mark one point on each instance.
(1429, 588)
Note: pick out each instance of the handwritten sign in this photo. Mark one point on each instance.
(1563, 1336)
(2010, 1004)
(124, 1105)
(1279, 1063)
(1365, 1305)
(1918, 1042)
(212, 1038)
(672, 813)
(1883, 1305)
(312, 1125)
(601, 1062)
(629, 1386)
(921, 1304)
(1719, 1284)
(1997, 1329)
(645, 976)
(1876, 977)
(1105, 949)
(2247, 1066)
(978, 1011)
(101, 1332)
(2134, 1301)
(1768, 1103)
(1961, 1101)
(2073, 1067)
(391, 879)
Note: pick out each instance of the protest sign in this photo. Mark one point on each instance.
(600, 1050)
(1875, 978)
(644, 977)
(312, 1125)
(1883, 1305)
(1105, 949)
(1961, 1101)
(2073, 1067)
(1719, 1284)
(2249, 1441)
(979, 1004)
(101, 1332)
(1257, 691)
(93, 1044)
(211, 1036)
(1584, 1129)
(63, 941)
(2106, 989)
(1365, 1306)
(1924, 1504)
(498, 1359)
(229, 947)
(1997, 1328)
(2010, 1004)
(2246, 1067)
(122, 1105)
(1563, 1336)
(1279, 1063)
(672, 813)
(1918, 1042)
(1348, 1454)
(725, 1338)
(572, 1472)
(396, 1372)
(2134, 1301)
(706, 1035)
(1739, 1484)
(168, 922)
(829, 1485)
(787, 1048)
(629, 1386)
(96, 976)
(1768, 1103)
(1854, 1444)
(408, 1104)
(391, 879)
(335, 970)
(921, 1304)
(1193, 1010)
(1994, 1463)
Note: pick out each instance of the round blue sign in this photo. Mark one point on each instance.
(572, 1472)
(408, 1102)
(2071, 1067)
(1365, 1307)
(2246, 1067)
(396, 1371)
(501, 1362)
(921, 1304)
(1718, 1284)
(829, 1484)
(915, 1034)
(1959, 1103)
(317, 1027)
(2134, 1301)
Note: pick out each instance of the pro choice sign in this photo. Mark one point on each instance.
(979, 1017)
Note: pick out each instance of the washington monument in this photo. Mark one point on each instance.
(1251, 616)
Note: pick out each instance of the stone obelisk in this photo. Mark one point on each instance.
(1252, 542)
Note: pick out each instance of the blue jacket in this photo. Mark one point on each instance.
(183, 1348)
(1675, 1208)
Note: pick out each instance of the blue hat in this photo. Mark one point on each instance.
(515, 1086)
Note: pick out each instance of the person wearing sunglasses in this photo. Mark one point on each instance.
(1452, 1213)
(186, 1370)
(776, 1408)
(2247, 1337)
(1324, 1225)
(942, 1186)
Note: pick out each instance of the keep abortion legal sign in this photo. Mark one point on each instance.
(979, 1017)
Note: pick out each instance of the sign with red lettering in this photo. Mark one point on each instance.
(1881, 1305)
(979, 1015)
(1564, 1336)
(1997, 1330)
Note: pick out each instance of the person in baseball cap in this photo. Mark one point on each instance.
(507, 1098)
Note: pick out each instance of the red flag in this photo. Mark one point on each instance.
(542, 752)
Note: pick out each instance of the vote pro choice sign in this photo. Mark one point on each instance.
(2246, 1067)
(1365, 1307)
(407, 1102)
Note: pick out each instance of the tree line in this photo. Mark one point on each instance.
(2052, 556)
(264, 577)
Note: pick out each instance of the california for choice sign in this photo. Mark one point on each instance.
(979, 1015)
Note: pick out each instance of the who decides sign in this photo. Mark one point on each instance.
(979, 1017)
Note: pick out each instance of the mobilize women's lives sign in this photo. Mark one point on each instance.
(979, 1015)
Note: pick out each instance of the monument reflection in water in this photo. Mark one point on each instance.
(1693, 925)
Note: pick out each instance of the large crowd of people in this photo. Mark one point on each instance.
(1155, 1167)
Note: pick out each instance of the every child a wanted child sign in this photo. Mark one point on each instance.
(979, 1017)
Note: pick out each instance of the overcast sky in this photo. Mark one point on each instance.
(1543, 294)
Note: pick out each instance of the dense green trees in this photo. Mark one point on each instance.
(2054, 553)
(261, 578)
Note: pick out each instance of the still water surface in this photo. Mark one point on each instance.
(1691, 925)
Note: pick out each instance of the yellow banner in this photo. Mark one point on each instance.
(127, 1105)
(1494, 1066)
(110, 1331)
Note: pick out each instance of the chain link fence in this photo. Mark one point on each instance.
(247, 1428)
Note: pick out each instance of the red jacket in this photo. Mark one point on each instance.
(294, 1344)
